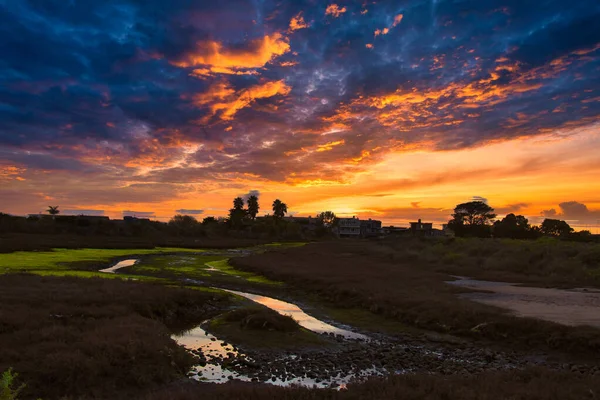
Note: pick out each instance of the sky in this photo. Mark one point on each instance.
(394, 110)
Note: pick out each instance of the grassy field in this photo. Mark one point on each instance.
(404, 281)
(64, 258)
(215, 268)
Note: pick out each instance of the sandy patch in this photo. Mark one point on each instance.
(567, 307)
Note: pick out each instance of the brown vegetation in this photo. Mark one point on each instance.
(258, 327)
(261, 319)
(533, 384)
(40, 242)
(94, 337)
(404, 281)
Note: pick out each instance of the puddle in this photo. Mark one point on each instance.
(303, 319)
(119, 265)
(214, 351)
(567, 307)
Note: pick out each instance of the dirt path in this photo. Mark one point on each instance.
(567, 307)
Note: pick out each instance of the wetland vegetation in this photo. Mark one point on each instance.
(114, 338)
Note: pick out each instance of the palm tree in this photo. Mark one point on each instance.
(253, 206)
(279, 209)
(53, 210)
(238, 203)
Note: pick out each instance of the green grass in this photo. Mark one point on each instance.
(189, 266)
(59, 261)
(186, 263)
(62, 262)
(285, 245)
(195, 266)
(224, 267)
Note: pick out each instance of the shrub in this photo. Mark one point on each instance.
(7, 385)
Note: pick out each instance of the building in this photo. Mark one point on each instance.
(421, 228)
(394, 230)
(348, 227)
(370, 228)
(306, 223)
(354, 227)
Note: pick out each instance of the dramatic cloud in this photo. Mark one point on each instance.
(129, 105)
(223, 100)
(214, 57)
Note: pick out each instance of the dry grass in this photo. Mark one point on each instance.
(403, 282)
(262, 319)
(34, 242)
(534, 384)
(94, 337)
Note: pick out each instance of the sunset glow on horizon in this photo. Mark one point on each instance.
(386, 110)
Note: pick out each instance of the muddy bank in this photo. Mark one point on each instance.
(567, 307)
(349, 357)
(349, 361)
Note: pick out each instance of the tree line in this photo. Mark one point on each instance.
(476, 219)
(470, 219)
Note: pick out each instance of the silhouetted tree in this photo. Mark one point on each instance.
(279, 209)
(555, 227)
(238, 203)
(327, 218)
(253, 206)
(53, 210)
(185, 224)
(209, 220)
(512, 226)
(472, 219)
(237, 213)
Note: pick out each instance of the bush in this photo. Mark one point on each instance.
(7, 386)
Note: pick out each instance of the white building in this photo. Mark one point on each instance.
(348, 227)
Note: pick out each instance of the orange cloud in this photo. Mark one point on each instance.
(369, 45)
(288, 63)
(385, 31)
(329, 146)
(297, 22)
(214, 58)
(222, 98)
(397, 20)
(420, 108)
(335, 10)
(10, 172)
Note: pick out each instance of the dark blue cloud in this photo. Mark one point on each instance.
(189, 212)
(102, 80)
